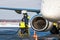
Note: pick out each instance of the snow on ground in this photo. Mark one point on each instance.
(10, 24)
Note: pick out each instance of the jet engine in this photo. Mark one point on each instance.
(39, 23)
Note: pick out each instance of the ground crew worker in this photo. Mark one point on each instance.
(25, 18)
(22, 26)
(24, 23)
(54, 29)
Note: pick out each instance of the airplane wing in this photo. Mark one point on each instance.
(28, 9)
(14, 29)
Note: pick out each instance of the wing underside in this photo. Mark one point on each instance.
(28, 9)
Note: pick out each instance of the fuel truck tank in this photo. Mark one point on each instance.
(39, 23)
(50, 10)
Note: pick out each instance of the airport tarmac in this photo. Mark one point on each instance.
(51, 37)
(13, 35)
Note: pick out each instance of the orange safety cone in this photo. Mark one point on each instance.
(35, 36)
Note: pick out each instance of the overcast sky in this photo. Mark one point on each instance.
(10, 15)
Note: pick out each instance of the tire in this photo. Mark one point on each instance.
(54, 30)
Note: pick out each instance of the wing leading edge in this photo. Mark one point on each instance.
(28, 9)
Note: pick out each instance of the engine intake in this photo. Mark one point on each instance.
(38, 23)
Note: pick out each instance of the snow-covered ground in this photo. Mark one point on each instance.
(10, 24)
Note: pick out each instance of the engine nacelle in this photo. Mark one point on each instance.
(38, 23)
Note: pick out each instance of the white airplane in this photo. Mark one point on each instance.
(50, 19)
(50, 10)
(45, 17)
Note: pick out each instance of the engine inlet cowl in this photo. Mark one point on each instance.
(40, 24)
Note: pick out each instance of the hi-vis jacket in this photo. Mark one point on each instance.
(22, 24)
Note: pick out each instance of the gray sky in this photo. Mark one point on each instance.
(10, 15)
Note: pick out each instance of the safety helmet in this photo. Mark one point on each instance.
(23, 11)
